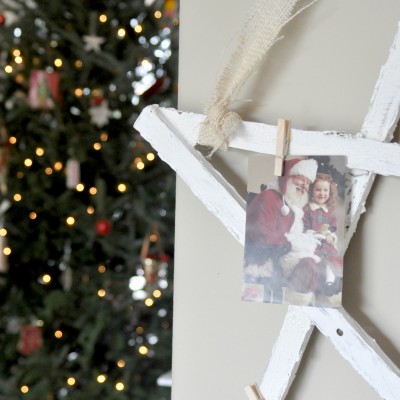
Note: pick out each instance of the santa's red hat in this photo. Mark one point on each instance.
(298, 167)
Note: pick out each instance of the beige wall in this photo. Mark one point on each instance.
(321, 76)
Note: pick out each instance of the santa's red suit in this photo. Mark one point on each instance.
(265, 223)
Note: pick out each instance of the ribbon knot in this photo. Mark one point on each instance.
(260, 32)
(217, 128)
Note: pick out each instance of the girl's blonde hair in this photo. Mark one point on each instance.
(331, 203)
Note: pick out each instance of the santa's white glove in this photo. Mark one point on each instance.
(304, 245)
(305, 242)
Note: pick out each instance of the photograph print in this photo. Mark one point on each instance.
(294, 231)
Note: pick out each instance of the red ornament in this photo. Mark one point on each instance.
(97, 101)
(2, 19)
(103, 227)
(30, 339)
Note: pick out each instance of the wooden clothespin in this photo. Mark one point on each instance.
(282, 146)
(253, 392)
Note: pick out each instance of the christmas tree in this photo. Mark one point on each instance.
(86, 207)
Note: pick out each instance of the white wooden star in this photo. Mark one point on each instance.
(173, 134)
(93, 42)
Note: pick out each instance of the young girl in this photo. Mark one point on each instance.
(320, 216)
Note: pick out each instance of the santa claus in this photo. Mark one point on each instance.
(278, 253)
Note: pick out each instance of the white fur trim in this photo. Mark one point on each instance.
(303, 246)
(307, 168)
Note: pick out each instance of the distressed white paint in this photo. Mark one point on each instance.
(355, 346)
(163, 130)
(207, 184)
(295, 333)
(379, 124)
(381, 158)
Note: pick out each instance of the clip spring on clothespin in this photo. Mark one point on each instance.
(282, 146)
(253, 392)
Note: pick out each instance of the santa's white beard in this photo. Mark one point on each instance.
(295, 198)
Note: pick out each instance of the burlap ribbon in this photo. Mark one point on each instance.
(260, 31)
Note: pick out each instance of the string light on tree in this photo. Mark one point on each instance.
(39, 151)
(90, 210)
(149, 302)
(70, 221)
(78, 92)
(121, 33)
(58, 165)
(150, 156)
(7, 251)
(71, 381)
(45, 279)
(58, 334)
(119, 386)
(24, 389)
(139, 330)
(143, 350)
(122, 187)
